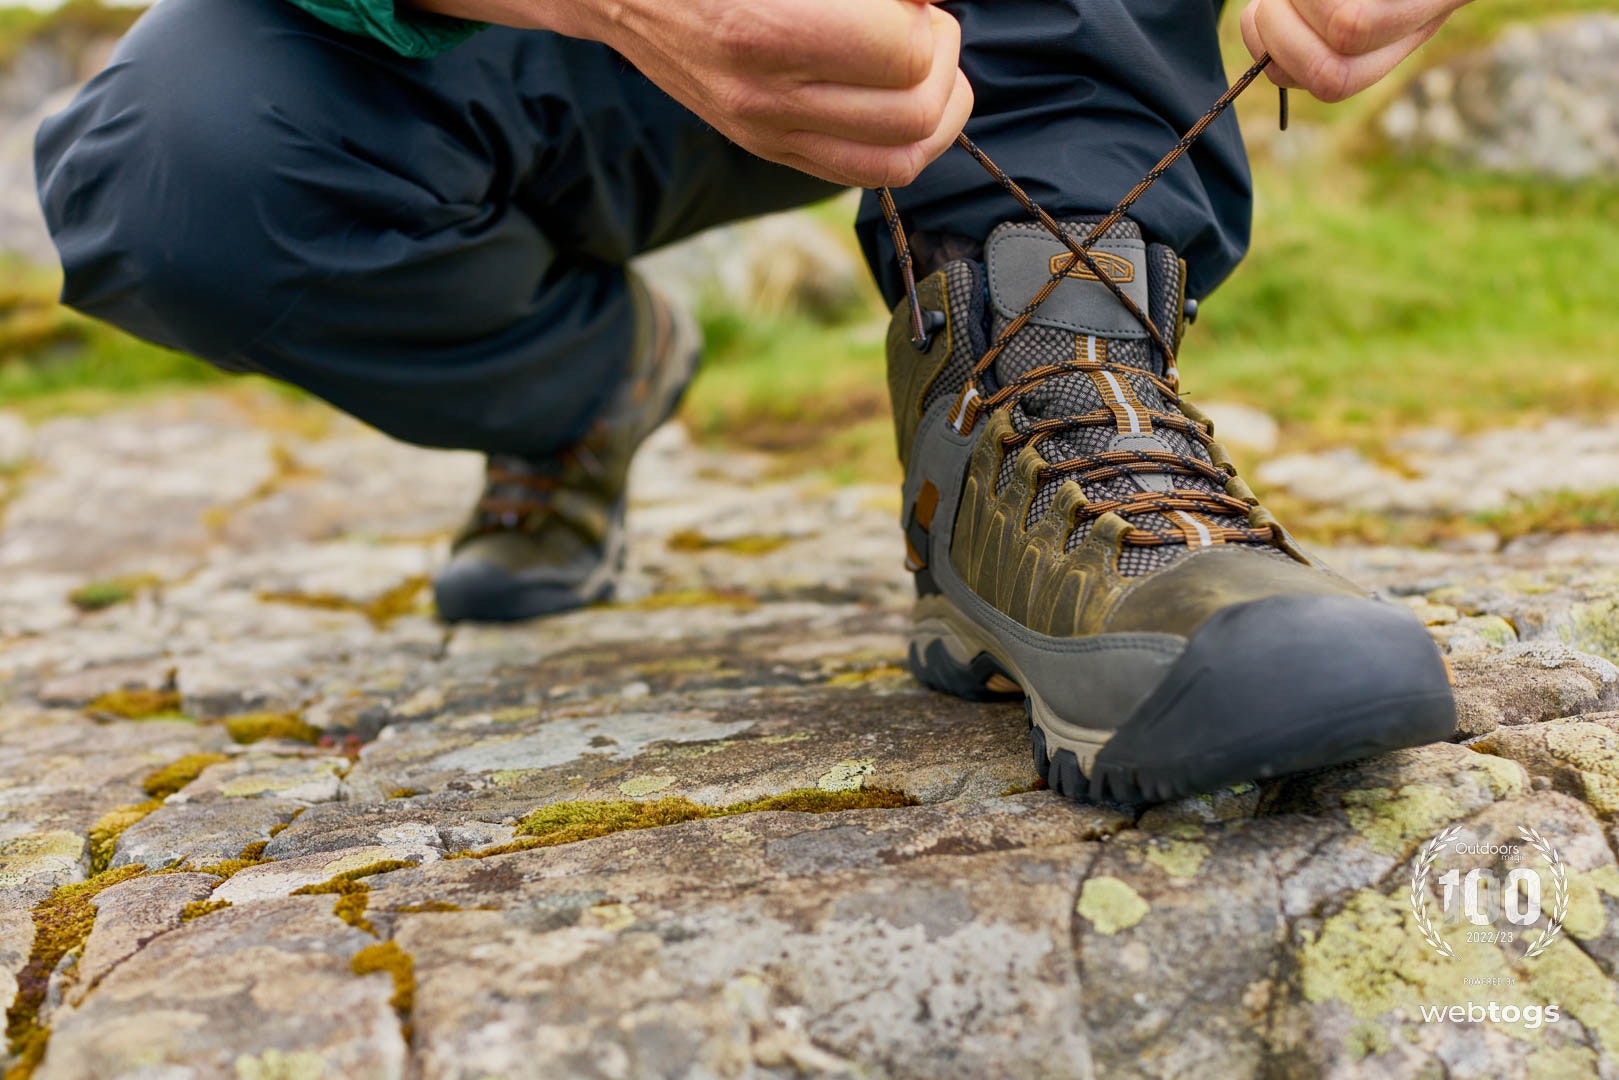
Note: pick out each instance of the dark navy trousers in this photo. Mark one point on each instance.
(438, 246)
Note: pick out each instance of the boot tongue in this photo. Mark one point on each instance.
(1020, 258)
(1082, 320)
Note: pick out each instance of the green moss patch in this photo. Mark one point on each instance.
(353, 894)
(570, 822)
(138, 704)
(100, 595)
(256, 727)
(62, 923)
(198, 908)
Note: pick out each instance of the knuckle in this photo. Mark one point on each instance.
(1350, 27)
(741, 35)
(915, 61)
(1329, 79)
(903, 166)
(917, 120)
(740, 101)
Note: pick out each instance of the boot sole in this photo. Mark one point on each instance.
(1262, 690)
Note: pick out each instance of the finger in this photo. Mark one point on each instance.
(1308, 62)
(1358, 27)
(1256, 47)
(878, 43)
(862, 164)
(882, 117)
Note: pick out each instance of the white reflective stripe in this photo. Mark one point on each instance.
(1090, 348)
(961, 415)
(1118, 394)
(1203, 533)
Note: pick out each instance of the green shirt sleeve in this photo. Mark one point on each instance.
(414, 34)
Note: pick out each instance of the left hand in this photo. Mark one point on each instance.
(1337, 48)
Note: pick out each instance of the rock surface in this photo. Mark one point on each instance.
(1543, 100)
(242, 769)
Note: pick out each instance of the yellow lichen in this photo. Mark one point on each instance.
(847, 775)
(387, 956)
(276, 1065)
(62, 923)
(381, 609)
(138, 704)
(1392, 821)
(162, 783)
(862, 676)
(1110, 904)
(403, 793)
(687, 598)
(1366, 1039)
(637, 786)
(570, 822)
(1177, 858)
(431, 906)
(1586, 916)
(198, 908)
(691, 540)
(255, 727)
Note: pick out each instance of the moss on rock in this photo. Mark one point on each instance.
(62, 923)
(387, 956)
(138, 704)
(162, 783)
(110, 826)
(255, 727)
(198, 908)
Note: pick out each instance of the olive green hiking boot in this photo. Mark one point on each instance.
(548, 534)
(1079, 539)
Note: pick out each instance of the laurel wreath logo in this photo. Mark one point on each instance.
(1419, 891)
(1559, 892)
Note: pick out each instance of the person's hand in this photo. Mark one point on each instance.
(1337, 48)
(859, 92)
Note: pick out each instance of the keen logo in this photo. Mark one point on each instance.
(1121, 271)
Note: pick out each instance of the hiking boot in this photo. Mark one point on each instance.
(1078, 539)
(548, 533)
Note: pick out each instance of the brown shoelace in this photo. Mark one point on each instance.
(971, 404)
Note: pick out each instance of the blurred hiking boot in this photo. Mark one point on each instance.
(548, 533)
(1078, 539)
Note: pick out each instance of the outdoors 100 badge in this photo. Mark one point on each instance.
(1498, 908)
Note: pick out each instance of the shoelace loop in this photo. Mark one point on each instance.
(972, 404)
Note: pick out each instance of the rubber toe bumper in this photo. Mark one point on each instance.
(472, 591)
(1279, 686)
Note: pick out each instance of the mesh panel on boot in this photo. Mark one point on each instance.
(964, 292)
(1067, 395)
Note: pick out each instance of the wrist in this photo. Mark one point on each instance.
(592, 20)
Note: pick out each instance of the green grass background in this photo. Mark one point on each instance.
(1379, 295)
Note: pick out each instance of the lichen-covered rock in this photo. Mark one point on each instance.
(262, 817)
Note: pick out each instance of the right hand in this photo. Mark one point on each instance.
(859, 92)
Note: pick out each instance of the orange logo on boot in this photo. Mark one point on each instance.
(1121, 271)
